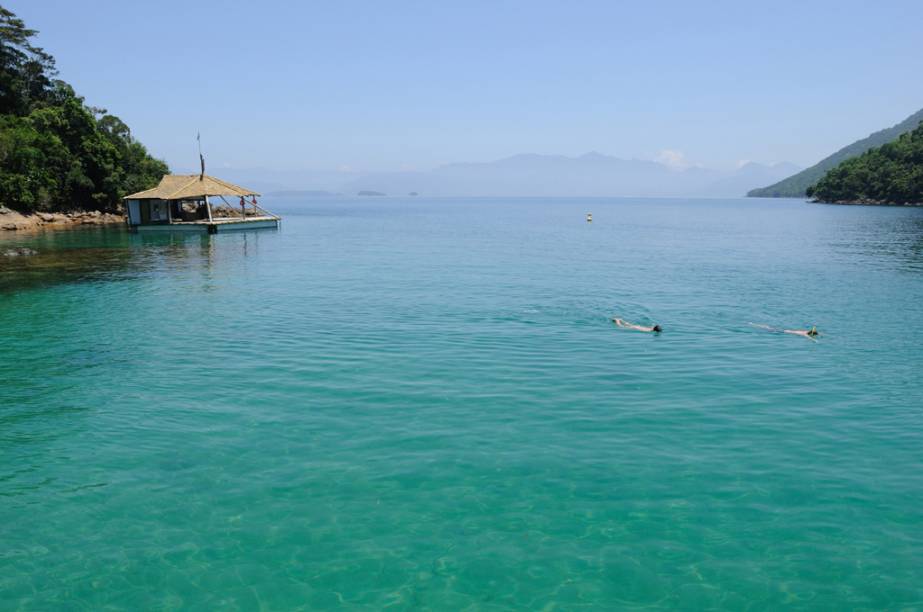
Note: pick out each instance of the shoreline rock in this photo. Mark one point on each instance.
(12, 221)
(18, 252)
(866, 203)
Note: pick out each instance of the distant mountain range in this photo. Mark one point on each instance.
(749, 174)
(592, 174)
(796, 186)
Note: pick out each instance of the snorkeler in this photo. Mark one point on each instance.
(626, 325)
(807, 333)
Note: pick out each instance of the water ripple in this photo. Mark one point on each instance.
(424, 404)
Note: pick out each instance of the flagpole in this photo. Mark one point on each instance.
(198, 138)
(208, 207)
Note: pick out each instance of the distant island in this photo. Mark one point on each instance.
(58, 153)
(889, 174)
(368, 192)
(796, 186)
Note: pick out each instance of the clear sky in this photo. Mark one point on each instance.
(371, 86)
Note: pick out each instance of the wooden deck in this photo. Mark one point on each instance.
(222, 224)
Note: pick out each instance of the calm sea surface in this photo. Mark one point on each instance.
(423, 404)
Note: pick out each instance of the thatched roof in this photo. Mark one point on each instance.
(190, 187)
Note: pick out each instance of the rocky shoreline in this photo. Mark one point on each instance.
(12, 221)
(865, 203)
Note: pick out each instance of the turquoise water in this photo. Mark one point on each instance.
(423, 405)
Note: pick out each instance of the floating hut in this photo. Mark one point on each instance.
(181, 203)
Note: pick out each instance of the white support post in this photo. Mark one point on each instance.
(208, 207)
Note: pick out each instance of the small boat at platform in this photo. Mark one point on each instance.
(181, 203)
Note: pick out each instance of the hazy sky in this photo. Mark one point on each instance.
(369, 86)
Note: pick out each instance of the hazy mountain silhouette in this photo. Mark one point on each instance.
(748, 175)
(592, 174)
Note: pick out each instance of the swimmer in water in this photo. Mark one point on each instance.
(626, 325)
(811, 334)
(807, 333)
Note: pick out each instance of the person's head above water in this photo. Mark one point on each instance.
(657, 328)
(812, 331)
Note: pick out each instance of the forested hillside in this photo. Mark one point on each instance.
(57, 153)
(890, 174)
(796, 186)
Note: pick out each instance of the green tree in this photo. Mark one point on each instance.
(26, 71)
(889, 174)
(56, 153)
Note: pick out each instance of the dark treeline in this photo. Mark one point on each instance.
(889, 174)
(796, 186)
(57, 153)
